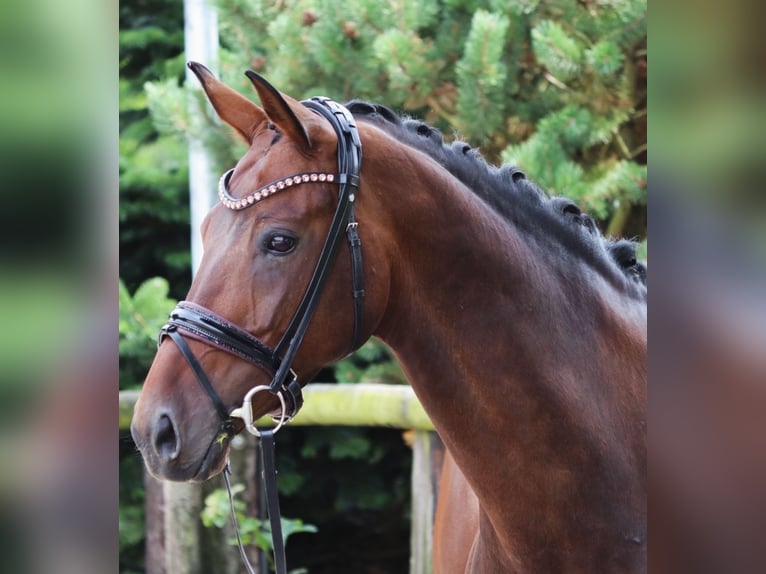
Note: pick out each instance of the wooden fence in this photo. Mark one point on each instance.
(174, 537)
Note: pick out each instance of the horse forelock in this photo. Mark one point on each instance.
(507, 191)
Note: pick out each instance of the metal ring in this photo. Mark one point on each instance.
(246, 411)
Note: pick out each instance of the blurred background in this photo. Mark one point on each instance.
(94, 177)
(707, 327)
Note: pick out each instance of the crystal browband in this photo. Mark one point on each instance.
(269, 189)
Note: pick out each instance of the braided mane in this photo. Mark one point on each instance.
(508, 191)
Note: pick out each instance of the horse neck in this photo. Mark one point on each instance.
(531, 371)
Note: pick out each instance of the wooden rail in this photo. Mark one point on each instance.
(361, 404)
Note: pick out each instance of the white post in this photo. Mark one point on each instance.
(427, 457)
(182, 502)
(201, 45)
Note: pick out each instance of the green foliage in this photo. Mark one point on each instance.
(373, 363)
(131, 511)
(559, 52)
(481, 76)
(554, 87)
(368, 475)
(131, 520)
(561, 135)
(604, 57)
(408, 64)
(141, 317)
(154, 213)
(217, 513)
(642, 250)
(550, 86)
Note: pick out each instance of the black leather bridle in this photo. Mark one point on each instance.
(200, 323)
(197, 322)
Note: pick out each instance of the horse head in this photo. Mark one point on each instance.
(261, 244)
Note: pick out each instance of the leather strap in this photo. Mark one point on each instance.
(269, 476)
(234, 520)
(357, 278)
(272, 499)
(199, 373)
(293, 337)
(201, 323)
(349, 166)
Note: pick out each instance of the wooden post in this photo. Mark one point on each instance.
(176, 541)
(427, 457)
(155, 525)
(218, 555)
(183, 504)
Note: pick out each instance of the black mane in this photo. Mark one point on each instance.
(508, 191)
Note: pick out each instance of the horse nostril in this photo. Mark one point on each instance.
(165, 438)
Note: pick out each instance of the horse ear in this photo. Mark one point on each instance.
(287, 113)
(231, 106)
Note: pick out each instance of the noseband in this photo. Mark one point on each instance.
(202, 324)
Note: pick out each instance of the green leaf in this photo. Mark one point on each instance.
(152, 301)
(140, 320)
(216, 510)
(216, 514)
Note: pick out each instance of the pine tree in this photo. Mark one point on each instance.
(557, 88)
(154, 213)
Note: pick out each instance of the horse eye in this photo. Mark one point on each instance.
(280, 244)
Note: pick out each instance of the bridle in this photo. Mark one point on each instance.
(197, 322)
(202, 324)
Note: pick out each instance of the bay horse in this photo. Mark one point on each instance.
(520, 327)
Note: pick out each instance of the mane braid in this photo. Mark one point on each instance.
(507, 190)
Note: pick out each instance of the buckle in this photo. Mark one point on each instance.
(245, 412)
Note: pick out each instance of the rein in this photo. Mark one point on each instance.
(200, 323)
